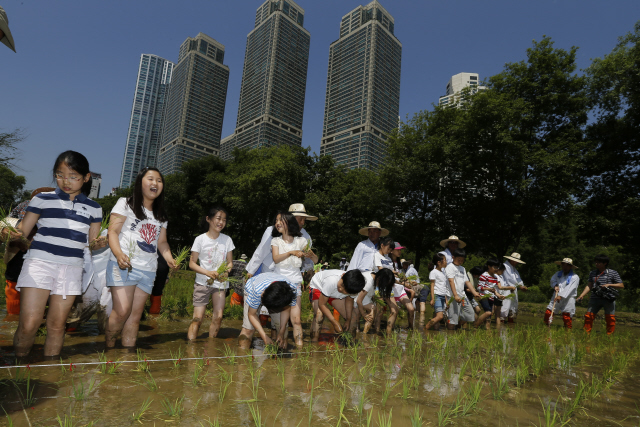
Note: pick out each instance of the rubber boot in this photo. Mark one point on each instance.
(13, 297)
(511, 320)
(566, 318)
(236, 299)
(263, 319)
(547, 315)
(336, 315)
(610, 319)
(156, 304)
(588, 322)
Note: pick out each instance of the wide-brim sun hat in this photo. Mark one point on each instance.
(514, 257)
(374, 224)
(243, 256)
(7, 40)
(566, 261)
(445, 242)
(297, 209)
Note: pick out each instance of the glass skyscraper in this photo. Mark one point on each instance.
(274, 79)
(363, 88)
(194, 109)
(145, 124)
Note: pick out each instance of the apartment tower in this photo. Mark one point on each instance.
(145, 124)
(363, 88)
(274, 80)
(195, 104)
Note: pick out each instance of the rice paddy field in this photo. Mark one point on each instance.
(525, 374)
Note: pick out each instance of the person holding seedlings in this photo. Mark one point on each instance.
(604, 284)
(440, 290)
(137, 232)
(473, 276)
(67, 221)
(460, 310)
(337, 288)
(450, 245)
(278, 295)
(363, 256)
(565, 285)
(365, 304)
(490, 298)
(512, 278)
(262, 259)
(289, 248)
(214, 250)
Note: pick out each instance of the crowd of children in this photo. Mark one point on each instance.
(63, 229)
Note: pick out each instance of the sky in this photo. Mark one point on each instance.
(70, 85)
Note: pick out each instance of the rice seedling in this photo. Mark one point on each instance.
(26, 397)
(8, 417)
(446, 414)
(143, 364)
(176, 357)
(256, 415)
(594, 388)
(463, 369)
(551, 416)
(103, 226)
(173, 409)
(5, 223)
(387, 391)
(572, 407)
(359, 408)
(132, 252)
(255, 381)
(149, 382)
(225, 381)
(137, 416)
(230, 355)
(79, 393)
(180, 257)
(196, 379)
(471, 399)
(416, 418)
(317, 267)
(313, 380)
(522, 373)
(112, 367)
(281, 371)
(406, 387)
(67, 421)
(271, 349)
(342, 400)
(500, 385)
(214, 423)
(384, 421)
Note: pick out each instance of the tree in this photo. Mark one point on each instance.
(9, 150)
(11, 188)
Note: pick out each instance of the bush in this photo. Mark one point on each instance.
(534, 294)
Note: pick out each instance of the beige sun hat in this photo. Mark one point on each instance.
(566, 261)
(515, 257)
(374, 224)
(4, 27)
(445, 242)
(297, 209)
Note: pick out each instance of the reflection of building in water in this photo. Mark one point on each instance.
(96, 180)
(363, 88)
(274, 80)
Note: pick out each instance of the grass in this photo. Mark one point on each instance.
(173, 409)
(137, 416)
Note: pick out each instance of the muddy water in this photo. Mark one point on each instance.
(333, 382)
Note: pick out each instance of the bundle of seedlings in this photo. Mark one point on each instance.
(98, 241)
(180, 257)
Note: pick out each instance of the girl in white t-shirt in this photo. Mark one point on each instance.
(288, 250)
(381, 257)
(212, 249)
(137, 232)
(440, 290)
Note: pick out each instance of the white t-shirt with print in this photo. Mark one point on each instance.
(459, 276)
(211, 254)
(382, 261)
(290, 267)
(327, 283)
(441, 284)
(138, 238)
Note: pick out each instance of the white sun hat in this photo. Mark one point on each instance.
(4, 27)
(515, 257)
(374, 224)
(297, 209)
(566, 261)
(445, 242)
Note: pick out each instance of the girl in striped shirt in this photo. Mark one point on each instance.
(66, 220)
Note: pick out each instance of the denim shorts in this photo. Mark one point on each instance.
(140, 278)
(424, 294)
(440, 303)
(487, 305)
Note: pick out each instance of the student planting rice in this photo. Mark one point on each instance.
(565, 285)
(512, 277)
(289, 249)
(603, 284)
(278, 295)
(67, 221)
(460, 310)
(338, 289)
(365, 301)
(138, 227)
(214, 250)
(440, 290)
(381, 258)
(490, 298)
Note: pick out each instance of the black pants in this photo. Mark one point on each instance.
(161, 277)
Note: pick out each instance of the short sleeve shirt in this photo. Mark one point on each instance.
(211, 254)
(139, 237)
(441, 284)
(290, 267)
(459, 276)
(255, 286)
(607, 276)
(486, 283)
(382, 261)
(326, 282)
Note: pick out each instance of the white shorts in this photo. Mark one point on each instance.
(246, 324)
(506, 308)
(58, 279)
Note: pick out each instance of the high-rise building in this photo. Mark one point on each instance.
(145, 124)
(456, 86)
(363, 88)
(195, 104)
(274, 79)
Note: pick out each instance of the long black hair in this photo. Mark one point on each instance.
(77, 162)
(384, 281)
(436, 259)
(292, 225)
(211, 213)
(386, 241)
(136, 200)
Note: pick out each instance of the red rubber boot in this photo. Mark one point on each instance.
(566, 318)
(610, 319)
(588, 322)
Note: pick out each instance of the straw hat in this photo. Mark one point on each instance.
(4, 27)
(243, 256)
(374, 224)
(445, 242)
(297, 209)
(566, 261)
(515, 257)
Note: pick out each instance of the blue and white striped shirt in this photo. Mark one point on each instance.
(63, 227)
(255, 286)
